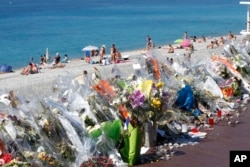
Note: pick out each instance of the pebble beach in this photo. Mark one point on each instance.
(41, 83)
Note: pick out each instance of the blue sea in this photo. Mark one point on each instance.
(28, 27)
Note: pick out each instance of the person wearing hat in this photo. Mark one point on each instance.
(102, 53)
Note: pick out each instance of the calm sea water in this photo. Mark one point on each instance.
(28, 27)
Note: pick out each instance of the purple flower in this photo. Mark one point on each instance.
(137, 99)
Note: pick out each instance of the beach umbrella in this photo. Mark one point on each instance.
(47, 54)
(178, 40)
(185, 43)
(90, 48)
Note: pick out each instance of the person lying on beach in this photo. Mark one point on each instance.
(202, 39)
(58, 65)
(193, 38)
(211, 45)
(179, 47)
(214, 43)
(170, 49)
(190, 48)
(30, 69)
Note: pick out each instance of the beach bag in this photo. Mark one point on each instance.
(5, 68)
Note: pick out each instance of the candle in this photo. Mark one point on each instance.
(219, 113)
(211, 121)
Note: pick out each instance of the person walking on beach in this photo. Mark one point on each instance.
(102, 53)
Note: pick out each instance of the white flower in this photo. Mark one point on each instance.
(124, 99)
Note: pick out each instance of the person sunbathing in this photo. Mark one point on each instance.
(211, 45)
(190, 48)
(57, 63)
(222, 41)
(30, 69)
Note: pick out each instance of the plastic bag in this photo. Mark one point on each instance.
(211, 86)
(185, 98)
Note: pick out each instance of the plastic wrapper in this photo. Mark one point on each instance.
(101, 143)
(101, 109)
(233, 71)
(211, 86)
(57, 146)
(71, 133)
(58, 108)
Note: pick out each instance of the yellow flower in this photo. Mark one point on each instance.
(145, 87)
(159, 84)
(158, 102)
(41, 155)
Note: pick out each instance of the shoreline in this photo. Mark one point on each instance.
(108, 49)
(46, 77)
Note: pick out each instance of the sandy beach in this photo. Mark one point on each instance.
(211, 151)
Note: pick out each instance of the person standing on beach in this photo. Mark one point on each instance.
(42, 60)
(149, 42)
(185, 35)
(102, 53)
(113, 53)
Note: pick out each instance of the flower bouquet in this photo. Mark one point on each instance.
(141, 103)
